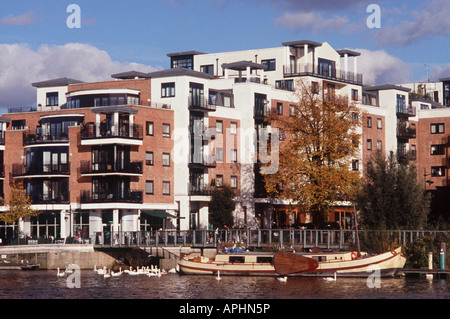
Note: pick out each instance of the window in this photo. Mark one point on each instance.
(401, 103)
(149, 158)
(183, 61)
(150, 128)
(438, 149)
(168, 89)
(149, 188)
(234, 182)
(369, 122)
(292, 110)
(315, 87)
(437, 128)
(270, 65)
(355, 165)
(219, 180)
(219, 154)
(354, 95)
(279, 108)
(438, 171)
(379, 124)
(166, 130)
(379, 145)
(166, 188)
(237, 259)
(166, 159)
(285, 85)
(18, 125)
(219, 127)
(227, 101)
(52, 99)
(233, 128)
(234, 156)
(208, 69)
(369, 144)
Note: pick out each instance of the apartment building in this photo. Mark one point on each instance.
(142, 151)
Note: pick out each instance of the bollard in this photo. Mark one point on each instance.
(430, 260)
(443, 255)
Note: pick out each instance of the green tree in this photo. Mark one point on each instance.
(315, 160)
(221, 207)
(390, 197)
(18, 207)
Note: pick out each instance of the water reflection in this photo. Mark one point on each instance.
(46, 285)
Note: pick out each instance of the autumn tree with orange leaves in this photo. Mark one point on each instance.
(315, 159)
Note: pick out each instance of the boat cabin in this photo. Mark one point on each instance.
(244, 258)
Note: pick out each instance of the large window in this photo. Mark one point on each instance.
(52, 99)
(184, 61)
(168, 89)
(327, 68)
(438, 171)
(401, 103)
(208, 69)
(270, 65)
(46, 225)
(438, 128)
(438, 149)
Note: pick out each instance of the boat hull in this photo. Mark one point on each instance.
(384, 265)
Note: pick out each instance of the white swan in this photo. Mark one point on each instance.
(172, 271)
(116, 274)
(218, 275)
(106, 274)
(101, 271)
(60, 274)
(330, 278)
(282, 279)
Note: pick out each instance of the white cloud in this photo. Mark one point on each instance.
(379, 67)
(20, 66)
(430, 20)
(438, 72)
(24, 19)
(312, 22)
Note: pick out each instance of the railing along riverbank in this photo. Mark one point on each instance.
(275, 238)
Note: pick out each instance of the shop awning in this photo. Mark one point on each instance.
(158, 213)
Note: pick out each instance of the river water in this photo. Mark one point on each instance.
(46, 285)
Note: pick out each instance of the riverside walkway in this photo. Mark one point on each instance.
(258, 238)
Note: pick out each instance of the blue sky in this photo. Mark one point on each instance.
(36, 44)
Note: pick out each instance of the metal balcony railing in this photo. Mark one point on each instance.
(104, 130)
(87, 167)
(112, 196)
(42, 169)
(324, 72)
(200, 104)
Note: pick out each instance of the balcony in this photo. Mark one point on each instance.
(406, 111)
(38, 139)
(110, 168)
(404, 155)
(43, 170)
(261, 112)
(92, 134)
(113, 196)
(203, 162)
(203, 190)
(46, 199)
(200, 104)
(325, 73)
(406, 132)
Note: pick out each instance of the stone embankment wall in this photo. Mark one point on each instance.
(86, 257)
